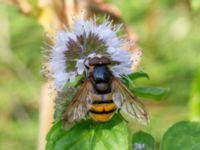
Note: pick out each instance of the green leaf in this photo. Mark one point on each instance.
(87, 134)
(143, 140)
(156, 93)
(128, 79)
(183, 135)
(136, 75)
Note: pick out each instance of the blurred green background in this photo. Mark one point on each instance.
(168, 32)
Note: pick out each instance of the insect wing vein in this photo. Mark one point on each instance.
(77, 109)
(127, 102)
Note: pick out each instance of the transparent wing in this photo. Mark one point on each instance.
(77, 108)
(127, 102)
(62, 99)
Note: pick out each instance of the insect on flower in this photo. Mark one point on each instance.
(96, 52)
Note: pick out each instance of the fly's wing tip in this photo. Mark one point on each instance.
(145, 121)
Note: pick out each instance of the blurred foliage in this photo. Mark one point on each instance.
(195, 5)
(183, 135)
(20, 79)
(168, 32)
(195, 97)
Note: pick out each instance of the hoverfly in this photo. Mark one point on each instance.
(101, 94)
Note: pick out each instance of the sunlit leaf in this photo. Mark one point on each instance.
(87, 134)
(128, 79)
(184, 135)
(137, 75)
(156, 93)
(142, 140)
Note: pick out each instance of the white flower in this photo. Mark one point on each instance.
(92, 55)
(72, 76)
(80, 66)
(74, 46)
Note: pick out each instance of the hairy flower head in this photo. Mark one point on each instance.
(71, 50)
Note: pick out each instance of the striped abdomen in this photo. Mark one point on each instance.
(102, 108)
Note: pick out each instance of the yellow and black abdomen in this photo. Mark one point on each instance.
(102, 108)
